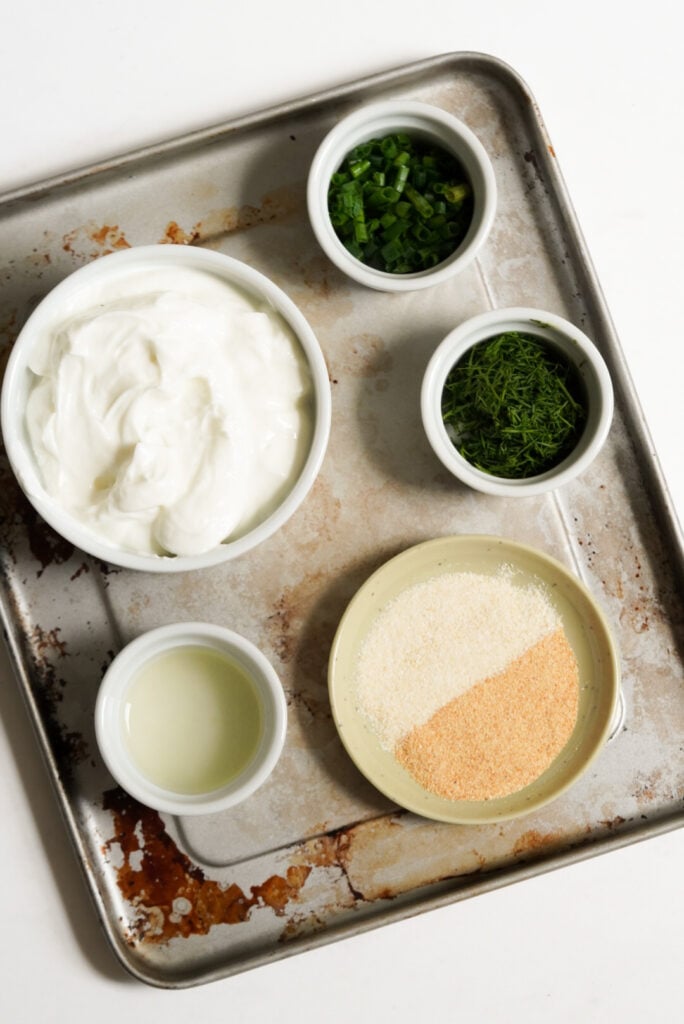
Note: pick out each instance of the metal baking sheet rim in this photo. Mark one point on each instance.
(391, 915)
(414, 903)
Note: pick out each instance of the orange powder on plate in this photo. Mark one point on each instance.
(502, 733)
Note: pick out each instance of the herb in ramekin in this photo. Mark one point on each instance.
(514, 406)
(400, 205)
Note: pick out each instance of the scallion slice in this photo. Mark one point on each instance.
(400, 204)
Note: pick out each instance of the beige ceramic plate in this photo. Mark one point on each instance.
(585, 627)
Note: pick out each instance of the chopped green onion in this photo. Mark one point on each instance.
(420, 202)
(402, 175)
(392, 251)
(358, 168)
(456, 193)
(399, 204)
(388, 147)
(360, 231)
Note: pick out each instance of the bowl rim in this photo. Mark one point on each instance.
(409, 115)
(230, 269)
(111, 694)
(555, 330)
(425, 560)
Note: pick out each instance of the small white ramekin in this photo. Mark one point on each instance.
(63, 299)
(430, 124)
(110, 711)
(558, 333)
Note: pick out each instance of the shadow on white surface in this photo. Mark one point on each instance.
(50, 829)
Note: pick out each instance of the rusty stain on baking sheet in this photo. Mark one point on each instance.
(623, 578)
(338, 848)
(9, 330)
(277, 205)
(315, 271)
(20, 521)
(83, 568)
(321, 291)
(303, 622)
(43, 641)
(9, 327)
(171, 896)
(613, 823)
(648, 787)
(531, 158)
(47, 547)
(368, 356)
(48, 649)
(284, 637)
(107, 238)
(393, 854)
(533, 841)
(175, 235)
(331, 854)
(277, 891)
(110, 237)
(293, 608)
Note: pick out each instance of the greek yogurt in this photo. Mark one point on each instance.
(170, 411)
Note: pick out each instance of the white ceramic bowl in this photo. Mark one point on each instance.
(64, 299)
(558, 333)
(422, 121)
(111, 710)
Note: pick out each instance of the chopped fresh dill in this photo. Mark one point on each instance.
(514, 406)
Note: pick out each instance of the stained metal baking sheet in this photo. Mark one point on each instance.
(318, 854)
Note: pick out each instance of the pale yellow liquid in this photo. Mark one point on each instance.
(192, 719)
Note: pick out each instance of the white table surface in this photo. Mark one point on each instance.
(83, 79)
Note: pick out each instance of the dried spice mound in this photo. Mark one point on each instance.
(502, 733)
(438, 638)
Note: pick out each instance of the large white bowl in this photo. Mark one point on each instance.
(431, 124)
(18, 381)
(110, 712)
(558, 333)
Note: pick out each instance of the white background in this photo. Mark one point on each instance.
(83, 79)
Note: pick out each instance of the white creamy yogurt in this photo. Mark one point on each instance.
(170, 411)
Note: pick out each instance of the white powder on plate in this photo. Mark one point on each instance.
(438, 638)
